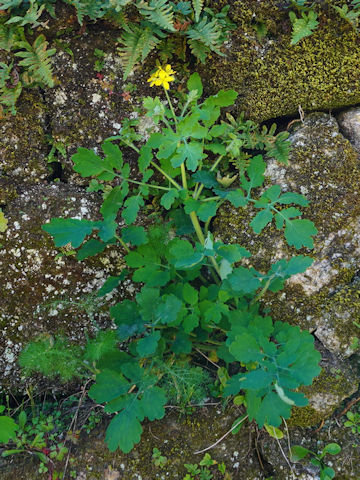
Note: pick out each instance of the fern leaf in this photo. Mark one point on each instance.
(197, 6)
(304, 26)
(137, 44)
(8, 37)
(199, 50)
(158, 12)
(93, 9)
(208, 33)
(9, 4)
(31, 16)
(37, 59)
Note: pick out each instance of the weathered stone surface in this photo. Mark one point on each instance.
(32, 276)
(23, 144)
(349, 122)
(273, 78)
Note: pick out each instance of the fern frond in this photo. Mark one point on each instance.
(4, 73)
(9, 4)
(208, 33)
(304, 26)
(199, 50)
(158, 12)
(31, 16)
(93, 9)
(37, 60)
(137, 44)
(8, 37)
(197, 6)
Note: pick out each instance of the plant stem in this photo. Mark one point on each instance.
(171, 107)
(123, 243)
(171, 180)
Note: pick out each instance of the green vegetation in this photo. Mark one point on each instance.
(195, 295)
(326, 473)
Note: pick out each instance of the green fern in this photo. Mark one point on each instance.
(158, 12)
(350, 15)
(197, 6)
(199, 50)
(137, 43)
(9, 35)
(10, 4)
(8, 96)
(37, 60)
(304, 26)
(93, 9)
(207, 33)
(31, 16)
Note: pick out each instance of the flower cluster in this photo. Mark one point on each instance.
(162, 76)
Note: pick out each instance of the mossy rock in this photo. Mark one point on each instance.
(23, 144)
(272, 77)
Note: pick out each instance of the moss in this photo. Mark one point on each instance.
(273, 78)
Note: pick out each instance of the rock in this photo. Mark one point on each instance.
(349, 122)
(272, 77)
(34, 276)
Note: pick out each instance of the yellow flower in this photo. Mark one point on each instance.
(162, 76)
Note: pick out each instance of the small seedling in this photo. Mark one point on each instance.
(298, 452)
(158, 459)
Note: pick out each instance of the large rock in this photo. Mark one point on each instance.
(273, 78)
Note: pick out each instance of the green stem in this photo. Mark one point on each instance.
(183, 176)
(200, 189)
(171, 107)
(171, 180)
(262, 292)
(122, 243)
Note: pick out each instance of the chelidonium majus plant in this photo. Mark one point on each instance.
(194, 292)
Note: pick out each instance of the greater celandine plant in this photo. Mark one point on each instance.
(194, 293)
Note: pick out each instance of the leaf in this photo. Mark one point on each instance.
(184, 255)
(297, 452)
(261, 219)
(232, 253)
(153, 402)
(181, 344)
(102, 344)
(36, 58)
(197, 6)
(68, 230)
(126, 315)
(90, 248)
(124, 431)
(194, 81)
(137, 42)
(191, 152)
(304, 26)
(8, 429)
(113, 201)
(332, 449)
(205, 177)
(158, 12)
(100, 391)
(224, 98)
(87, 163)
(255, 172)
(169, 198)
(299, 232)
(256, 379)
(296, 198)
(135, 235)
(132, 207)
(168, 309)
(243, 280)
(190, 294)
(245, 349)
(237, 198)
(147, 345)
(274, 432)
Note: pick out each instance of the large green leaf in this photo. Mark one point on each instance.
(68, 230)
(124, 431)
(8, 428)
